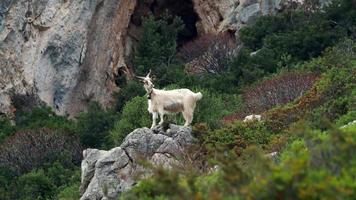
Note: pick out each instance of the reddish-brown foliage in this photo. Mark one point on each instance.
(209, 53)
(278, 90)
(275, 91)
(279, 119)
(27, 150)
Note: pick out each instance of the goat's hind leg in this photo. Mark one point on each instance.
(188, 117)
(154, 118)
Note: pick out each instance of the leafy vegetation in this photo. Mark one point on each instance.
(157, 47)
(131, 118)
(94, 126)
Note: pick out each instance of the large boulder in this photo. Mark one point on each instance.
(106, 174)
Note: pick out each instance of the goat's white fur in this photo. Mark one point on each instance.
(164, 102)
(252, 118)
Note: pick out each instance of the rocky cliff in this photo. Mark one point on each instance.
(65, 53)
(106, 174)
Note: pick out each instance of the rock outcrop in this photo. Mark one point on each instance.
(106, 174)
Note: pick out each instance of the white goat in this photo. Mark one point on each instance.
(169, 101)
(252, 118)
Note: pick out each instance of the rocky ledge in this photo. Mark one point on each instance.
(106, 174)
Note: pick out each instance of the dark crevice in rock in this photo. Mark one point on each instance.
(120, 77)
(128, 155)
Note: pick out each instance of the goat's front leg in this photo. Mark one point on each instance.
(154, 118)
(161, 115)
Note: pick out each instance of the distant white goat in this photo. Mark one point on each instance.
(252, 118)
(169, 101)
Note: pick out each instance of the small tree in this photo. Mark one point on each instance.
(134, 115)
(157, 46)
(94, 125)
(209, 53)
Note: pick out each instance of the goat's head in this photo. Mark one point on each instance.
(147, 82)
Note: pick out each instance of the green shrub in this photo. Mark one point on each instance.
(131, 90)
(43, 117)
(238, 136)
(331, 97)
(292, 37)
(70, 191)
(134, 115)
(213, 106)
(157, 47)
(6, 128)
(339, 56)
(35, 185)
(347, 118)
(94, 125)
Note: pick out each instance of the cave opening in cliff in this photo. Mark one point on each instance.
(182, 8)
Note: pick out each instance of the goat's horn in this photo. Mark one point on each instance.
(149, 73)
(140, 77)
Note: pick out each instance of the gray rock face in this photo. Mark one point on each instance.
(64, 52)
(106, 174)
(221, 15)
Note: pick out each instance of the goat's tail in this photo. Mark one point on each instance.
(198, 96)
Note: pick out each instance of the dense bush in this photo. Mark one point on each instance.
(28, 150)
(339, 56)
(299, 34)
(70, 191)
(36, 185)
(209, 53)
(274, 91)
(278, 90)
(44, 183)
(283, 40)
(238, 136)
(43, 117)
(331, 97)
(94, 125)
(213, 106)
(134, 115)
(131, 90)
(157, 47)
(6, 128)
